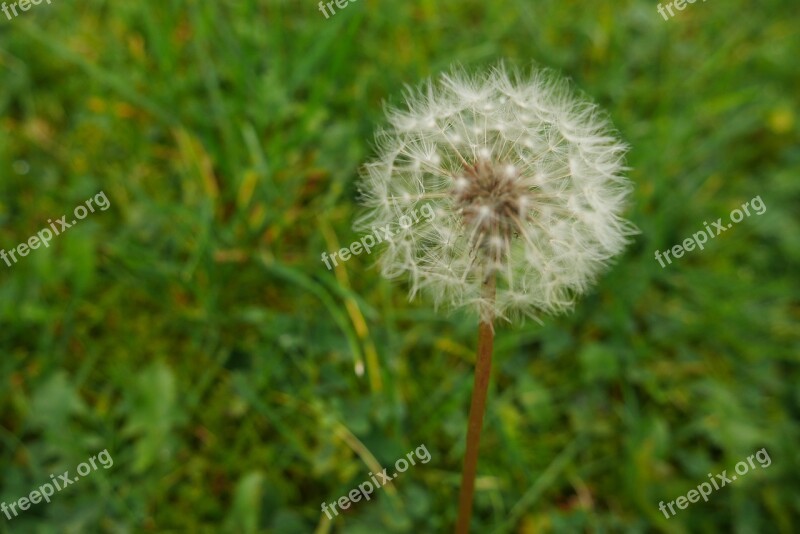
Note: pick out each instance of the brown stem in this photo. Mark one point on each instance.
(483, 368)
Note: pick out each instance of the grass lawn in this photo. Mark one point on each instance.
(191, 331)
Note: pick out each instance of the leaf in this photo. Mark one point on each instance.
(152, 414)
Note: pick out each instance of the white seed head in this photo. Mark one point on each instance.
(525, 182)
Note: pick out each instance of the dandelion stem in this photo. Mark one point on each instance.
(483, 368)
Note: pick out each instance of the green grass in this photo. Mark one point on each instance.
(193, 331)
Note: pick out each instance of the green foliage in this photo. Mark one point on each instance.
(192, 330)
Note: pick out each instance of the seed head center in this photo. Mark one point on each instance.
(490, 197)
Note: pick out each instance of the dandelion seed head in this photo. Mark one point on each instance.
(525, 183)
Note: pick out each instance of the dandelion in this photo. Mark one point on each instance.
(525, 180)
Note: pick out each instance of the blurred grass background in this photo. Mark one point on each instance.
(193, 331)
